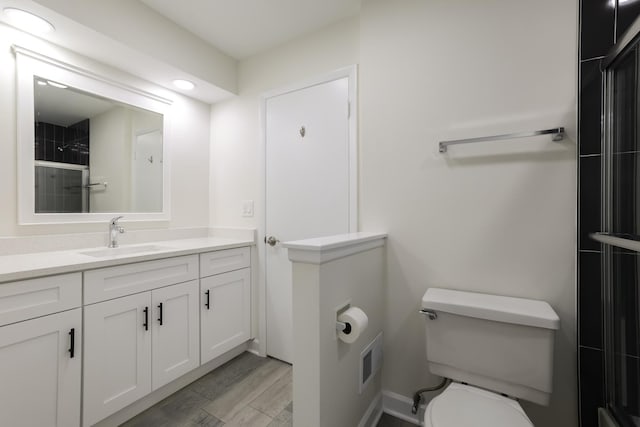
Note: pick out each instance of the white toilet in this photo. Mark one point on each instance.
(496, 349)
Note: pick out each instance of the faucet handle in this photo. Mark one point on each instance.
(115, 220)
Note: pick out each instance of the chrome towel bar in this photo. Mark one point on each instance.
(96, 184)
(558, 135)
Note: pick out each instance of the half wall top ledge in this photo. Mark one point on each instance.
(324, 249)
(134, 38)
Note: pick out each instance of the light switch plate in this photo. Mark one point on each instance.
(247, 208)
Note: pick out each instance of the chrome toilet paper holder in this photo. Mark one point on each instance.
(343, 326)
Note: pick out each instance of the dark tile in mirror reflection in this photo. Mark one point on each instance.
(61, 144)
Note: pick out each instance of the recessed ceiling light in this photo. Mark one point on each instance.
(28, 21)
(58, 85)
(183, 84)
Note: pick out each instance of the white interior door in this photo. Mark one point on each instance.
(147, 172)
(307, 188)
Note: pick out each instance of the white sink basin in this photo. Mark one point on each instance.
(125, 250)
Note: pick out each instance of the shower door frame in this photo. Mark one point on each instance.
(628, 44)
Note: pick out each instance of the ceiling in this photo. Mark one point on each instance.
(161, 40)
(241, 28)
(64, 107)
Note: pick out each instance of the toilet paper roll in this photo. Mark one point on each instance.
(357, 322)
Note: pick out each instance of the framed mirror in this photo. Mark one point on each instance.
(88, 148)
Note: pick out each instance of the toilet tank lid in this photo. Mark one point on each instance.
(499, 308)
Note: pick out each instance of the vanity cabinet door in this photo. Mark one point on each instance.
(39, 375)
(225, 312)
(175, 332)
(117, 357)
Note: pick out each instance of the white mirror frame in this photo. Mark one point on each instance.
(30, 64)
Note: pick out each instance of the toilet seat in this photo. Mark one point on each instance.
(462, 405)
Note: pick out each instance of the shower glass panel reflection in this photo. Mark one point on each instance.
(622, 218)
(61, 188)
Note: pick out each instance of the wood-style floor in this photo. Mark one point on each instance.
(248, 391)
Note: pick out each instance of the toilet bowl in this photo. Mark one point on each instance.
(496, 349)
(461, 405)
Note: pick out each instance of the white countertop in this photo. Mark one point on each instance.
(26, 266)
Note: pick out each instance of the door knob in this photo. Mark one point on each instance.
(271, 240)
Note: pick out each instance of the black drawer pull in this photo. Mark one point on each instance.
(160, 318)
(72, 343)
(208, 294)
(146, 318)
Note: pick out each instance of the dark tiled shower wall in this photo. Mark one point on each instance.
(63, 144)
(601, 23)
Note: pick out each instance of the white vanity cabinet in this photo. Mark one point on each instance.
(77, 348)
(175, 340)
(225, 318)
(137, 343)
(117, 357)
(41, 351)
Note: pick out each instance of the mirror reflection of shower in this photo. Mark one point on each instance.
(86, 153)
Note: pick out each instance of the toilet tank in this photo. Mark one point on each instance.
(500, 343)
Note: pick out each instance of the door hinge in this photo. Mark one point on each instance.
(348, 110)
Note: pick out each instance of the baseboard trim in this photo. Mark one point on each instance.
(254, 347)
(373, 413)
(399, 406)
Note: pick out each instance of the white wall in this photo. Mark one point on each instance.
(235, 132)
(496, 218)
(188, 138)
(109, 160)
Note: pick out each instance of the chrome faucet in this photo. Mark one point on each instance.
(114, 229)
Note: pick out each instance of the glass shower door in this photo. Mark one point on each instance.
(622, 219)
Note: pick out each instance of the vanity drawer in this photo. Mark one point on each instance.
(27, 299)
(217, 262)
(114, 282)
